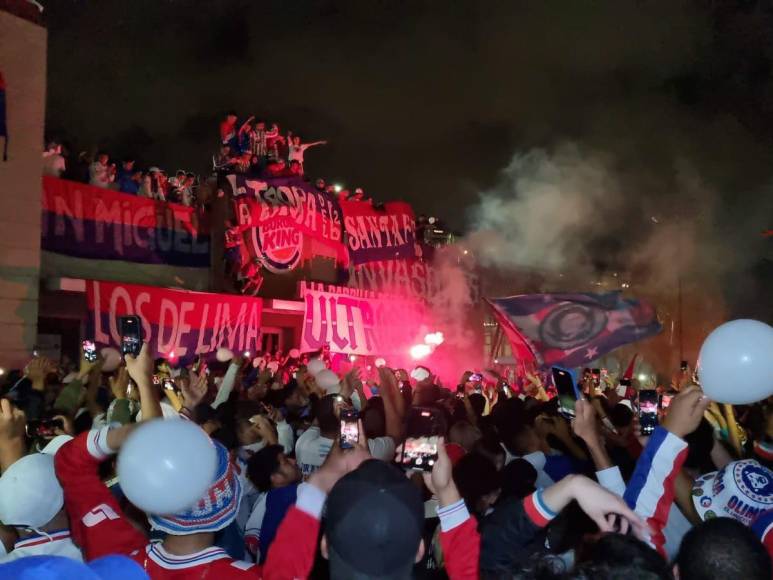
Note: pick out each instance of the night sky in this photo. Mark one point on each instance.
(427, 101)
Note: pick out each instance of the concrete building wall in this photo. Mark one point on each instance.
(23, 66)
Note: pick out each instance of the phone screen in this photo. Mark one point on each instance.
(350, 433)
(420, 450)
(131, 335)
(45, 428)
(567, 391)
(169, 384)
(648, 411)
(89, 350)
(156, 380)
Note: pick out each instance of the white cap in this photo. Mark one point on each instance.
(30, 494)
(741, 490)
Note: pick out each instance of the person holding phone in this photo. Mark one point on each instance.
(31, 497)
(314, 445)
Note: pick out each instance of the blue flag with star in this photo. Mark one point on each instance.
(571, 330)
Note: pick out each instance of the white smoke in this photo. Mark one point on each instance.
(544, 210)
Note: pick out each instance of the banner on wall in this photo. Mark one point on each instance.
(386, 233)
(275, 215)
(358, 322)
(175, 321)
(83, 221)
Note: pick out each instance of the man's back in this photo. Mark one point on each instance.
(211, 563)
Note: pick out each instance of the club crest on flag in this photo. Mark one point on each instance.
(570, 330)
(570, 325)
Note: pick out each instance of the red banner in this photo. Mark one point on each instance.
(83, 221)
(386, 232)
(175, 321)
(276, 214)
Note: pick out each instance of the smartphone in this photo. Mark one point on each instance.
(648, 411)
(420, 449)
(156, 380)
(567, 391)
(45, 428)
(596, 378)
(131, 335)
(665, 401)
(350, 432)
(168, 384)
(89, 350)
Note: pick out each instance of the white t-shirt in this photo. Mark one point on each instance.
(99, 175)
(55, 544)
(311, 449)
(295, 153)
(53, 164)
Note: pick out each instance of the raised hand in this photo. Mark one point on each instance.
(194, 390)
(13, 426)
(120, 382)
(440, 481)
(686, 411)
(339, 462)
(585, 425)
(140, 367)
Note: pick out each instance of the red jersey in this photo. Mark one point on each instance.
(100, 528)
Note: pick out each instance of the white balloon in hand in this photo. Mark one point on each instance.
(736, 362)
(165, 467)
(315, 366)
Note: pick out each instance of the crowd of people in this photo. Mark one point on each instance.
(124, 175)
(252, 148)
(249, 148)
(320, 474)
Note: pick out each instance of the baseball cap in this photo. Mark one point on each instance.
(741, 490)
(30, 494)
(374, 521)
(61, 568)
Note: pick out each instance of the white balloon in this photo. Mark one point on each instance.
(328, 380)
(294, 353)
(165, 467)
(224, 354)
(112, 359)
(735, 364)
(315, 366)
